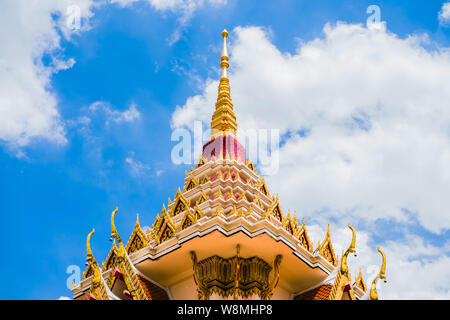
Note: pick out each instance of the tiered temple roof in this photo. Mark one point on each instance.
(224, 236)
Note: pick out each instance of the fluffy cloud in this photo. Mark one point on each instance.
(31, 30)
(137, 168)
(444, 14)
(28, 31)
(365, 114)
(112, 115)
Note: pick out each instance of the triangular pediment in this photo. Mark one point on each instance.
(137, 240)
(203, 197)
(180, 204)
(263, 187)
(111, 258)
(191, 182)
(326, 249)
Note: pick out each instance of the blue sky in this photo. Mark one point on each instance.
(53, 193)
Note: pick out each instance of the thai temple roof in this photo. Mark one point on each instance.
(223, 236)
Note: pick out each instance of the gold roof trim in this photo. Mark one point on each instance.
(138, 239)
(359, 281)
(326, 249)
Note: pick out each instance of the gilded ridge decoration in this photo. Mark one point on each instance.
(191, 182)
(359, 282)
(201, 161)
(303, 237)
(123, 263)
(263, 187)
(274, 210)
(90, 260)
(163, 227)
(351, 248)
(138, 239)
(189, 219)
(180, 204)
(250, 165)
(97, 288)
(381, 275)
(326, 249)
(203, 197)
(111, 258)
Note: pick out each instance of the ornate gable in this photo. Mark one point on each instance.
(203, 197)
(302, 236)
(180, 204)
(204, 179)
(138, 239)
(198, 213)
(263, 187)
(188, 220)
(191, 182)
(111, 258)
(326, 249)
(359, 282)
(201, 161)
(274, 210)
(288, 225)
(250, 165)
(257, 201)
(164, 228)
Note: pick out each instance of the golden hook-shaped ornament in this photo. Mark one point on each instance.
(114, 233)
(89, 255)
(380, 275)
(351, 248)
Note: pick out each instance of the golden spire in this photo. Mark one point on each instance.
(224, 119)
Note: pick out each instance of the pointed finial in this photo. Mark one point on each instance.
(223, 119)
(137, 219)
(224, 59)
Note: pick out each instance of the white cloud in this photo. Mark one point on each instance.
(137, 168)
(64, 298)
(28, 105)
(444, 14)
(28, 32)
(129, 115)
(375, 109)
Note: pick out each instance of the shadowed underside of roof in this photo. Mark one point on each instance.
(152, 290)
(319, 293)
